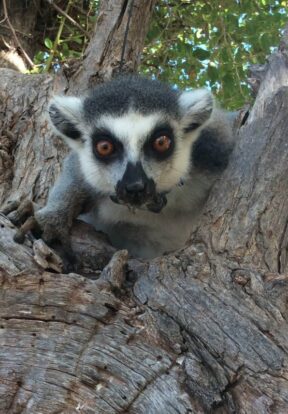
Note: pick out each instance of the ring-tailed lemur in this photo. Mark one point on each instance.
(144, 157)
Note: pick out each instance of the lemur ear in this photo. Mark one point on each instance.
(66, 113)
(196, 108)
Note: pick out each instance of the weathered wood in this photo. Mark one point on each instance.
(103, 56)
(200, 331)
(92, 249)
(30, 157)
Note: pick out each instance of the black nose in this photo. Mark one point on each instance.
(135, 187)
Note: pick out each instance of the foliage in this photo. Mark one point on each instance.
(68, 41)
(211, 42)
(190, 43)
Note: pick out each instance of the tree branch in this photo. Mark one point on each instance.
(71, 20)
(6, 18)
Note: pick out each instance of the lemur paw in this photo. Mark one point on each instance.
(22, 214)
(53, 228)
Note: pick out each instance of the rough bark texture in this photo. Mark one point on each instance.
(204, 330)
(103, 55)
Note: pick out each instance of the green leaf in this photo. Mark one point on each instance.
(213, 73)
(201, 54)
(48, 43)
(78, 40)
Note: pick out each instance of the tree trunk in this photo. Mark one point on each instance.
(21, 31)
(203, 330)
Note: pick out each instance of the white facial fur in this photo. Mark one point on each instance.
(132, 129)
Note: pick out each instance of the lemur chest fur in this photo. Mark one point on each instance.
(148, 234)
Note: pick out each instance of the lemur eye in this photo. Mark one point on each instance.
(104, 148)
(162, 143)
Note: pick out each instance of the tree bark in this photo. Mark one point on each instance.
(202, 330)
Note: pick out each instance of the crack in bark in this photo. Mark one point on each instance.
(147, 384)
(123, 11)
(20, 318)
(281, 268)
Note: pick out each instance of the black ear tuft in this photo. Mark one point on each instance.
(191, 127)
(62, 124)
(66, 114)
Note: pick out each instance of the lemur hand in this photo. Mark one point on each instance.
(51, 226)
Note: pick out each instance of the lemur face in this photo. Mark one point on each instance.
(133, 137)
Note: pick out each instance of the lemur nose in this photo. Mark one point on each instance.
(135, 187)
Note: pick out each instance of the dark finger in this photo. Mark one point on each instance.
(30, 225)
(10, 206)
(20, 215)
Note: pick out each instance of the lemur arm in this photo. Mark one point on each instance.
(69, 197)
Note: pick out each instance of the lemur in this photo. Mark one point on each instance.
(144, 157)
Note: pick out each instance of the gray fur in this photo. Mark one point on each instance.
(119, 95)
(212, 149)
(205, 136)
(70, 196)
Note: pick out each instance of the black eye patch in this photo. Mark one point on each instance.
(163, 130)
(101, 134)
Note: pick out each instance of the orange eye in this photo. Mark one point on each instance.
(162, 143)
(104, 148)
